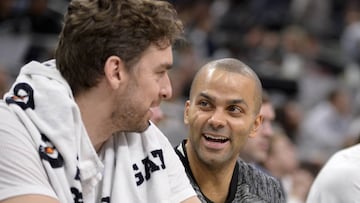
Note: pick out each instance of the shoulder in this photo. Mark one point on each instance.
(13, 134)
(258, 183)
(343, 162)
(6, 112)
(11, 127)
(251, 173)
(338, 179)
(339, 176)
(18, 150)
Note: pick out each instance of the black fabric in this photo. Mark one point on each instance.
(248, 184)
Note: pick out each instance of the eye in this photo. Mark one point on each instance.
(205, 105)
(162, 72)
(235, 109)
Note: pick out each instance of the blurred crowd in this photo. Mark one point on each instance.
(306, 52)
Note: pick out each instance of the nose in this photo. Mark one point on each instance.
(217, 119)
(165, 88)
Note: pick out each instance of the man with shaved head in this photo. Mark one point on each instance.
(222, 113)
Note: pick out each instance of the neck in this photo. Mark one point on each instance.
(96, 116)
(213, 181)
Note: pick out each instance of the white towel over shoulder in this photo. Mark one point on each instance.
(132, 167)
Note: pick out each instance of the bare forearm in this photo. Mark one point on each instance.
(30, 199)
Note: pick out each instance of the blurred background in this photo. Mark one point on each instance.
(306, 52)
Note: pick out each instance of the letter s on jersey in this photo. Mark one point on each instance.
(148, 165)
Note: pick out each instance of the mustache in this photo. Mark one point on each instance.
(208, 129)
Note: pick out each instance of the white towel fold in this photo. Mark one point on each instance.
(132, 167)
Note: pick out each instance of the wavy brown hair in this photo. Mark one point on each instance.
(97, 29)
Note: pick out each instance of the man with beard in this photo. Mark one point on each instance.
(66, 125)
(222, 113)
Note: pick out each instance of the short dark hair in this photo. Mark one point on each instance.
(97, 29)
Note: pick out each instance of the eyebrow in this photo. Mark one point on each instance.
(233, 101)
(202, 94)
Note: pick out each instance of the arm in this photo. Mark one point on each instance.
(30, 198)
(192, 200)
(22, 175)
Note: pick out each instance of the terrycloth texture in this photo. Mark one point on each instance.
(131, 167)
(45, 105)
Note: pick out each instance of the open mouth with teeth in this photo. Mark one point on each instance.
(216, 139)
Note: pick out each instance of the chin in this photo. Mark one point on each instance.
(136, 127)
(145, 125)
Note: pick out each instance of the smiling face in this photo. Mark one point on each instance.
(147, 84)
(221, 115)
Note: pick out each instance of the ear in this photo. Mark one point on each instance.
(114, 70)
(186, 112)
(257, 123)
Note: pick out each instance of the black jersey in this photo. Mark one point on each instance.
(248, 184)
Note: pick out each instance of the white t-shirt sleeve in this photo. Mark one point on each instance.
(21, 171)
(179, 182)
(338, 181)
